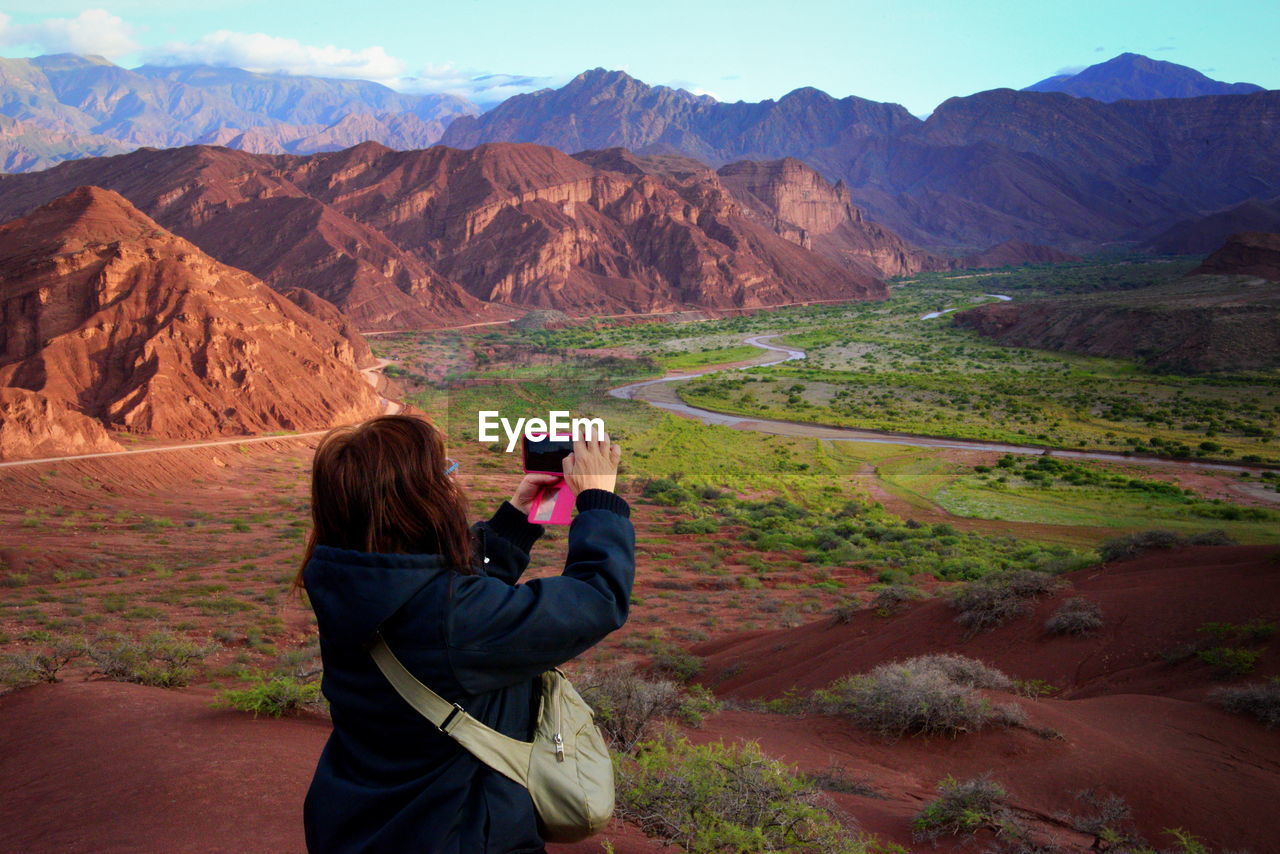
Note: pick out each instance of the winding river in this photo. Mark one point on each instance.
(661, 393)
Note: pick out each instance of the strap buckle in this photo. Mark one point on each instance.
(447, 725)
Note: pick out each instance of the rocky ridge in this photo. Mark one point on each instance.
(104, 311)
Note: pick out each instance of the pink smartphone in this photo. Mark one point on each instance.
(553, 505)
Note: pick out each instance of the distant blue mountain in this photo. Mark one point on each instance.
(1134, 77)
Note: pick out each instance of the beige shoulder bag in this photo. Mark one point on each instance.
(566, 767)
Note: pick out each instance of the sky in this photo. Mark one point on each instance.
(910, 52)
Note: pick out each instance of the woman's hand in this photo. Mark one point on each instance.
(592, 465)
(528, 489)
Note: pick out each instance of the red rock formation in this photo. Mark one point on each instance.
(1250, 253)
(1201, 323)
(1203, 235)
(1013, 253)
(32, 425)
(328, 314)
(385, 235)
(103, 309)
(800, 205)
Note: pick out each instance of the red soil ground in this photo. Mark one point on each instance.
(130, 768)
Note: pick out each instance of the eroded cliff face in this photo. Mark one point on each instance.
(797, 203)
(33, 425)
(104, 310)
(1249, 253)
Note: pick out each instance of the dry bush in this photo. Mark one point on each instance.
(30, 667)
(894, 598)
(1260, 700)
(1133, 545)
(629, 707)
(1075, 616)
(995, 599)
(928, 695)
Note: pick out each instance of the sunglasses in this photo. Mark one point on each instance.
(453, 466)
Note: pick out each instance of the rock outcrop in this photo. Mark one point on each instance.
(802, 206)
(105, 311)
(1250, 253)
(32, 425)
(327, 313)
(1199, 324)
(1013, 253)
(1204, 234)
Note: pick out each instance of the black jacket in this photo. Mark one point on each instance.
(388, 780)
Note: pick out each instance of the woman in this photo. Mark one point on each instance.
(391, 552)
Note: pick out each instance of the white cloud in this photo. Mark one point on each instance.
(480, 87)
(269, 54)
(93, 31)
(264, 53)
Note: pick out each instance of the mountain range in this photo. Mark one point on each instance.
(59, 107)
(404, 239)
(1075, 169)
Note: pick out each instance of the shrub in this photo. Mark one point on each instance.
(279, 696)
(1108, 820)
(160, 659)
(1216, 537)
(1254, 631)
(696, 526)
(1075, 616)
(845, 609)
(717, 798)
(928, 695)
(1230, 661)
(670, 660)
(894, 598)
(1260, 700)
(29, 667)
(963, 806)
(1000, 597)
(627, 705)
(1132, 545)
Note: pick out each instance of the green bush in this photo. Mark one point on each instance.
(160, 659)
(1230, 661)
(715, 798)
(279, 696)
(696, 526)
(965, 807)
(1132, 545)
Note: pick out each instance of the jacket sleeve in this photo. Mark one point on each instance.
(499, 634)
(506, 540)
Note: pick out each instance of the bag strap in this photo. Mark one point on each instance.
(508, 756)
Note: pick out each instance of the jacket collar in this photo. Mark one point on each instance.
(353, 593)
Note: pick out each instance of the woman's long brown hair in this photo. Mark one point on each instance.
(380, 487)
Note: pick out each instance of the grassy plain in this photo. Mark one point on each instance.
(890, 366)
